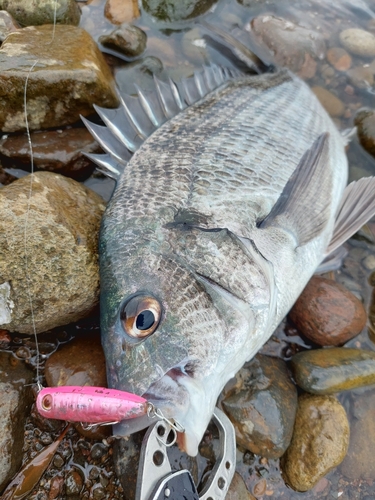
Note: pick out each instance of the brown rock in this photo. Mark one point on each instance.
(121, 11)
(70, 76)
(327, 313)
(319, 443)
(7, 24)
(63, 220)
(360, 77)
(58, 151)
(365, 122)
(128, 39)
(339, 58)
(329, 101)
(238, 490)
(289, 43)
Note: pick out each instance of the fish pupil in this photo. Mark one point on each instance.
(145, 320)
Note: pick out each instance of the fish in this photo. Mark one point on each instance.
(231, 190)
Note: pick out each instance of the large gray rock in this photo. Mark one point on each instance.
(63, 220)
(36, 12)
(69, 76)
(15, 400)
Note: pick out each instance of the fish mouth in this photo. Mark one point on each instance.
(183, 398)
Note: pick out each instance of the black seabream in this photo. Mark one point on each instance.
(231, 190)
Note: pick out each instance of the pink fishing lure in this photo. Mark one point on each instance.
(89, 404)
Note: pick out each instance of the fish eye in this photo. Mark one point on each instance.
(140, 316)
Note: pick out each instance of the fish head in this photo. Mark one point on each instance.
(172, 336)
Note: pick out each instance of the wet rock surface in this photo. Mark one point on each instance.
(37, 12)
(320, 441)
(339, 58)
(63, 220)
(262, 406)
(121, 11)
(238, 490)
(141, 70)
(169, 10)
(365, 122)
(358, 42)
(16, 398)
(128, 39)
(332, 104)
(359, 462)
(326, 371)
(7, 24)
(327, 313)
(292, 46)
(70, 75)
(58, 151)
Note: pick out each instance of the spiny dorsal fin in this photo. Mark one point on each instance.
(138, 117)
(356, 208)
(307, 190)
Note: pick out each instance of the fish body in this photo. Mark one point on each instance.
(209, 239)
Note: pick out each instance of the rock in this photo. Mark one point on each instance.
(7, 24)
(320, 441)
(339, 58)
(121, 11)
(16, 397)
(58, 151)
(365, 122)
(126, 455)
(140, 72)
(37, 12)
(326, 371)
(369, 262)
(262, 406)
(361, 77)
(237, 489)
(194, 46)
(359, 462)
(170, 10)
(73, 483)
(358, 42)
(128, 39)
(62, 261)
(327, 313)
(289, 43)
(329, 101)
(70, 75)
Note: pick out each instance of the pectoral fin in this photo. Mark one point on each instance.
(356, 208)
(308, 189)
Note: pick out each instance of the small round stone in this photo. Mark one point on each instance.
(358, 42)
(339, 58)
(329, 101)
(327, 313)
(365, 122)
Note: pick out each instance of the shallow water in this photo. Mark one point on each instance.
(171, 44)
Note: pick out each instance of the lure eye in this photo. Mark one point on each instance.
(140, 316)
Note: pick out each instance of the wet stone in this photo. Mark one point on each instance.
(58, 151)
(262, 406)
(329, 101)
(16, 398)
(365, 122)
(339, 58)
(7, 24)
(121, 11)
(73, 483)
(62, 234)
(291, 46)
(170, 10)
(359, 462)
(126, 454)
(326, 371)
(327, 313)
(361, 77)
(128, 39)
(358, 42)
(320, 441)
(37, 12)
(238, 490)
(70, 75)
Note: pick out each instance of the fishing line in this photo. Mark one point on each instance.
(27, 273)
